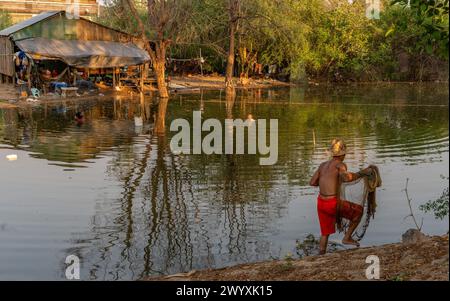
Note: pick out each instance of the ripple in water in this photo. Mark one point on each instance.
(116, 196)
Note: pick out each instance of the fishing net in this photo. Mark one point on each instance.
(361, 192)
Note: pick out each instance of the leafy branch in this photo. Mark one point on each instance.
(439, 207)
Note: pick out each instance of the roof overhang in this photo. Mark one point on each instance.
(85, 54)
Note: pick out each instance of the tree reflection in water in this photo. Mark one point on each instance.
(158, 213)
(160, 225)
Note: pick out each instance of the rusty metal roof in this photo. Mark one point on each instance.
(87, 54)
(24, 24)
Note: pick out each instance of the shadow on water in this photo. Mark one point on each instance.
(158, 213)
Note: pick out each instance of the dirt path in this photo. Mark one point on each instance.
(426, 260)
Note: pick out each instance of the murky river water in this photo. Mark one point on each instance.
(114, 194)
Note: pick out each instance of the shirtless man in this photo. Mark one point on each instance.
(327, 178)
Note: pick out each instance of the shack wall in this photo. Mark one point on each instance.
(6, 57)
(60, 27)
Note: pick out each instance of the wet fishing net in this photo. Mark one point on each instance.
(363, 193)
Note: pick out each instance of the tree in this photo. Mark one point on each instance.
(439, 207)
(5, 20)
(158, 28)
(233, 19)
(423, 31)
(331, 40)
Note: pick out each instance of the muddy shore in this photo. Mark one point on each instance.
(218, 82)
(424, 260)
(9, 96)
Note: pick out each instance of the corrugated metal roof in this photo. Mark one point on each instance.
(36, 19)
(88, 54)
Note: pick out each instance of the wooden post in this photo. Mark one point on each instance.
(201, 63)
(74, 73)
(141, 68)
(29, 76)
(114, 78)
(119, 82)
(146, 69)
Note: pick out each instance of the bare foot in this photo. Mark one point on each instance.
(350, 241)
(322, 252)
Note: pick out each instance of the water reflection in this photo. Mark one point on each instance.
(158, 213)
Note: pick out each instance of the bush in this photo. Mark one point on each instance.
(439, 207)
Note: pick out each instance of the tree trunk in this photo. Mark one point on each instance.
(160, 70)
(233, 11)
(158, 55)
(230, 58)
(160, 122)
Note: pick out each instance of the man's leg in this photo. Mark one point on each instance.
(323, 244)
(348, 240)
(354, 215)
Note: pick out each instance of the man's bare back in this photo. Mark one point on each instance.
(328, 174)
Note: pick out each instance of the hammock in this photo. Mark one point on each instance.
(361, 192)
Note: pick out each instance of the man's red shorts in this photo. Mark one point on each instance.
(326, 209)
(351, 211)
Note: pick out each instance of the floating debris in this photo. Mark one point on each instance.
(12, 157)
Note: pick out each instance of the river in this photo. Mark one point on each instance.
(113, 193)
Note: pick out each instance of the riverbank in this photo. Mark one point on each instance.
(218, 82)
(424, 260)
(9, 96)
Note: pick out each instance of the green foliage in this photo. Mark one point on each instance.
(5, 20)
(315, 39)
(116, 15)
(340, 42)
(439, 207)
(431, 19)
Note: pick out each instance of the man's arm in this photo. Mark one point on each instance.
(315, 178)
(345, 175)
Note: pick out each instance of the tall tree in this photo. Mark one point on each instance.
(233, 19)
(159, 27)
(5, 20)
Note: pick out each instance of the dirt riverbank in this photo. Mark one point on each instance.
(218, 82)
(9, 96)
(424, 260)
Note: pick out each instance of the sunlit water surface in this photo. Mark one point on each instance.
(116, 196)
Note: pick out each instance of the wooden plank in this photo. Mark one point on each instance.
(6, 57)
